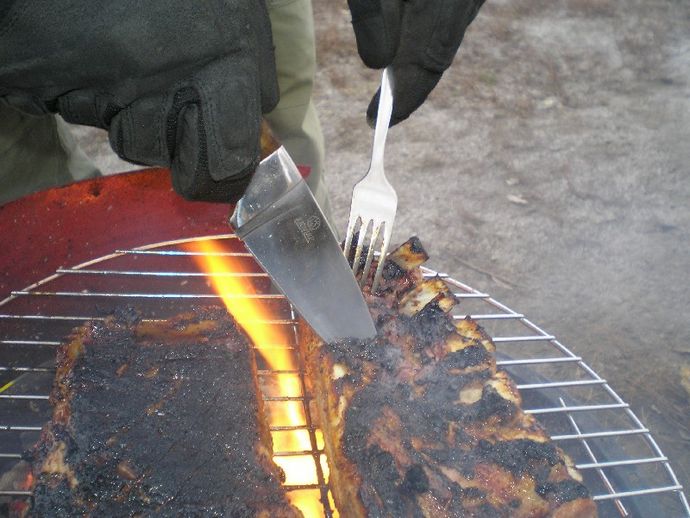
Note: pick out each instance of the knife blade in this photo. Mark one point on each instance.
(280, 222)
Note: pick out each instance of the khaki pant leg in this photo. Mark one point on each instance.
(294, 120)
(37, 153)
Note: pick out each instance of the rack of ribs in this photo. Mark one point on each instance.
(419, 421)
(157, 418)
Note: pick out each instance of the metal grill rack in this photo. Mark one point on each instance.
(623, 466)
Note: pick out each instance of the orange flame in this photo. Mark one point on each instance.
(28, 482)
(273, 342)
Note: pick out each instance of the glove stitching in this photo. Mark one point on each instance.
(124, 136)
(172, 119)
(160, 118)
(209, 128)
(183, 98)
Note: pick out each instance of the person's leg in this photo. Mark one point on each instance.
(37, 153)
(79, 166)
(294, 120)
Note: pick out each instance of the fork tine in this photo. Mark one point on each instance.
(360, 244)
(374, 201)
(376, 229)
(352, 223)
(382, 258)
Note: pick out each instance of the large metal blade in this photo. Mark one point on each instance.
(282, 225)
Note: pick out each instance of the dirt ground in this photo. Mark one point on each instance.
(551, 169)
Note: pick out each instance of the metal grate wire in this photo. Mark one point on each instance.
(621, 462)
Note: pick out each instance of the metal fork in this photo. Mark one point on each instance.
(374, 201)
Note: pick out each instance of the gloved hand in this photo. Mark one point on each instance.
(419, 38)
(176, 83)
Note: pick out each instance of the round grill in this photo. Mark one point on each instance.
(623, 466)
(103, 226)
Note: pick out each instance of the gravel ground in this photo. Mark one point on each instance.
(549, 168)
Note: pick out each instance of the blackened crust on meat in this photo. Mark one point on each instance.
(398, 436)
(392, 271)
(430, 325)
(468, 357)
(563, 491)
(157, 419)
(416, 480)
(493, 405)
(519, 456)
(420, 423)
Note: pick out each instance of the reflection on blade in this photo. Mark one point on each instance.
(280, 222)
(299, 251)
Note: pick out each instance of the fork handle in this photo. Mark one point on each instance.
(383, 119)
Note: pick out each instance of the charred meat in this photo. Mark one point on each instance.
(419, 422)
(157, 418)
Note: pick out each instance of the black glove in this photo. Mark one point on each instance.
(418, 37)
(177, 83)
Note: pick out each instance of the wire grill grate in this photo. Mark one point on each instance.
(623, 465)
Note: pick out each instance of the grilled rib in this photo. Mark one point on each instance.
(157, 418)
(420, 422)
